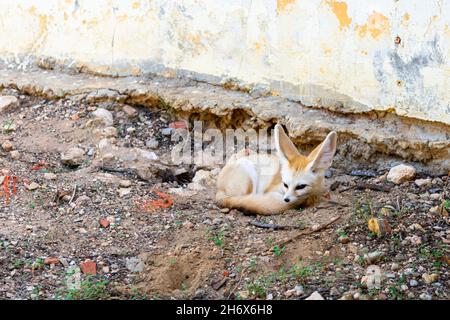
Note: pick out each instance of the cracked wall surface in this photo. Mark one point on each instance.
(347, 56)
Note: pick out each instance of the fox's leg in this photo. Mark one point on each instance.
(265, 204)
(237, 178)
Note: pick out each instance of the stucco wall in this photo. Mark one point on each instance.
(350, 55)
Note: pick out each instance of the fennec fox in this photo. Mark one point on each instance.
(267, 184)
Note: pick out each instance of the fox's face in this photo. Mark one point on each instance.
(303, 176)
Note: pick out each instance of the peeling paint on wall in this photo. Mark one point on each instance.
(337, 54)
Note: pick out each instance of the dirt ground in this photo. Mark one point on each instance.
(138, 227)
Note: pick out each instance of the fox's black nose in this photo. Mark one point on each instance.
(286, 200)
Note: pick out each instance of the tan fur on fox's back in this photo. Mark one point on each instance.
(254, 182)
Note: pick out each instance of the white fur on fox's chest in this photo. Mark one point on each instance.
(261, 168)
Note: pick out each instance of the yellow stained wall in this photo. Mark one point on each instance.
(348, 55)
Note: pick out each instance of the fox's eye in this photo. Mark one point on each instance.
(285, 185)
(301, 186)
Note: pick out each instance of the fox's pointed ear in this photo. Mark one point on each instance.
(285, 148)
(322, 156)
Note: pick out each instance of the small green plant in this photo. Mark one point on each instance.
(18, 263)
(257, 289)
(90, 289)
(447, 205)
(301, 273)
(278, 251)
(8, 126)
(216, 237)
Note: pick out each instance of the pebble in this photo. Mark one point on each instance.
(15, 154)
(134, 264)
(49, 176)
(73, 156)
(401, 173)
(152, 144)
(423, 182)
(166, 131)
(430, 278)
(105, 115)
(125, 183)
(7, 146)
(413, 283)
(315, 296)
(130, 111)
(425, 296)
(373, 257)
(32, 186)
(344, 239)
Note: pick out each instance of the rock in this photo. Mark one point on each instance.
(73, 156)
(423, 182)
(149, 155)
(404, 287)
(110, 132)
(415, 240)
(130, 111)
(7, 146)
(217, 221)
(413, 283)
(7, 103)
(124, 192)
(373, 257)
(134, 264)
(49, 261)
(88, 267)
(82, 200)
(315, 296)
(152, 144)
(299, 290)
(395, 266)
(15, 155)
(430, 278)
(385, 212)
(178, 125)
(425, 296)
(344, 239)
(125, 183)
(31, 186)
(49, 176)
(105, 115)
(104, 223)
(401, 173)
(346, 296)
(166, 131)
(435, 196)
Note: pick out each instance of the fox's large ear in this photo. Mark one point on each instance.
(285, 148)
(322, 156)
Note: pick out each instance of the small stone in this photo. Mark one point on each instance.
(49, 176)
(430, 278)
(124, 192)
(188, 224)
(395, 266)
(73, 156)
(299, 290)
(404, 287)
(130, 111)
(435, 196)
(344, 239)
(224, 210)
(149, 155)
(415, 240)
(152, 144)
(88, 267)
(110, 132)
(49, 261)
(178, 125)
(134, 264)
(125, 183)
(373, 257)
(401, 173)
(315, 296)
(105, 269)
(32, 186)
(104, 223)
(166, 131)
(413, 283)
(425, 296)
(105, 115)
(15, 154)
(7, 146)
(346, 296)
(423, 182)
(7, 103)
(217, 221)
